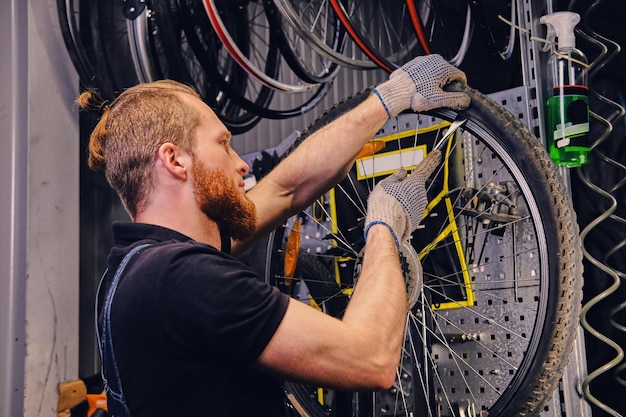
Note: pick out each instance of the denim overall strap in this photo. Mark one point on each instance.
(116, 402)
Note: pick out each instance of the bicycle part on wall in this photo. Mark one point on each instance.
(252, 56)
(392, 33)
(250, 90)
(470, 35)
(97, 42)
(385, 32)
(139, 27)
(315, 22)
(110, 35)
(502, 268)
(304, 61)
(81, 55)
(283, 47)
(502, 49)
(175, 37)
(448, 27)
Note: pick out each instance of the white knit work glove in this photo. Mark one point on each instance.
(418, 85)
(413, 274)
(399, 201)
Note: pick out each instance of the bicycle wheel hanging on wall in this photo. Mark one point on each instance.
(384, 32)
(96, 39)
(309, 65)
(193, 58)
(316, 23)
(263, 45)
(498, 313)
(251, 53)
(444, 28)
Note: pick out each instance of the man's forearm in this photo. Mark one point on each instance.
(326, 156)
(378, 305)
(315, 166)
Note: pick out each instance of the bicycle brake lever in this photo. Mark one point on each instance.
(453, 128)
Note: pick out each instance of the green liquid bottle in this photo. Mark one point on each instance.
(567, 118)
(567, 109)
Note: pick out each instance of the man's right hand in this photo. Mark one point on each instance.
(399, 201)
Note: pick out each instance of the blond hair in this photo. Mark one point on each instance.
(130, 131)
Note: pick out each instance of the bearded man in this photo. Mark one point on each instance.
(185, 328)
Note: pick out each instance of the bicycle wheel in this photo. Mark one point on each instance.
(385, 32)
(110, 36)
(315, 22)
(174, 39)
(96, 39)
(446, 27)
(499, 36)
(252, 58)
(499, 245)
(246, 92)
(303, 60)
(80, 54)
(145, 57)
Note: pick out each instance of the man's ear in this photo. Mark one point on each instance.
(174, 160)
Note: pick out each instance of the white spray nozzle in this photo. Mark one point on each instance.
(560, 25)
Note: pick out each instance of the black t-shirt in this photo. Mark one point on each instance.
(188, 321)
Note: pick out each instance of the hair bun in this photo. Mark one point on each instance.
(92, 101)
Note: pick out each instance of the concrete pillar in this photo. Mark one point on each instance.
(39, 210)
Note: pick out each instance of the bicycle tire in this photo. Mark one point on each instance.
(113, 50)
(504, 351)
(89, 30)
(78, 53)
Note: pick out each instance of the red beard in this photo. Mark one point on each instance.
(221, 200)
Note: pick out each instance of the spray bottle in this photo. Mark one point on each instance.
(567, 110)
